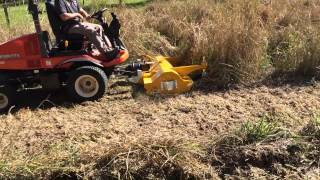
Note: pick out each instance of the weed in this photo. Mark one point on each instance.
(255, 132)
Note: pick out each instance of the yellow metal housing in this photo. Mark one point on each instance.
(163, 78)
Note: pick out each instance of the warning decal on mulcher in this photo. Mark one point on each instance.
(9, 56)
(169, 85)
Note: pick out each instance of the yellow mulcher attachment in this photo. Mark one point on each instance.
(162, 77)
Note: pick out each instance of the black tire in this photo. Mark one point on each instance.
(87, 83)
(7, 94)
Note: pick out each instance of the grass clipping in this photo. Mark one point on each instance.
(254, 150)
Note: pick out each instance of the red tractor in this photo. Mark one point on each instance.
(31, 61)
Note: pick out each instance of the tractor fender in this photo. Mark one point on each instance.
(81, 61)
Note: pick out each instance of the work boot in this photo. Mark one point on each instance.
(112, 54)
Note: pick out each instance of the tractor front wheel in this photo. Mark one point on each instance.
(87, 83)
(6, 98)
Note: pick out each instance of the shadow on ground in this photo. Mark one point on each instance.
(40, 99)
(35, 99)
(272, 81)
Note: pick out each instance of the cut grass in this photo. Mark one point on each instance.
(154, 138)
(164, 159)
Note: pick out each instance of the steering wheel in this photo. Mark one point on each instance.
(98, 14)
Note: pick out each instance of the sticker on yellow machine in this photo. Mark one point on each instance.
(169, 85)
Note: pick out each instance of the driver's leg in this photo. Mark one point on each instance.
(99, 28)
(92, 35)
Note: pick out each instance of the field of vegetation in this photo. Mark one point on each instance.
(255, 116)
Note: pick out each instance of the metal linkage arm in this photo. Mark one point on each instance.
(34, 11)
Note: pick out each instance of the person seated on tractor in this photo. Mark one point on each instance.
(71, 15)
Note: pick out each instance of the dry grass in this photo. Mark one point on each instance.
(227, 35)
(242, 40)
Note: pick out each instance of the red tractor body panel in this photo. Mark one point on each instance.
(23, 53)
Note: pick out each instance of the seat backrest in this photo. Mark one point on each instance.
(54, 19)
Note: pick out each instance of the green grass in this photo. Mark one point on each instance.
(97, 4)
(19, 14)
(255, 132)
(112, 1)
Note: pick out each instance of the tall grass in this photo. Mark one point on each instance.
(242, 40)
(228, 35)
(294, 36)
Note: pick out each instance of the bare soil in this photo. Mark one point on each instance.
(129, 134)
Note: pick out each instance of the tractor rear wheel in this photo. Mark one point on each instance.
(87, 83)
(6, 98)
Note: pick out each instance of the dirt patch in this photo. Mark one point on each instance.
(285, 158)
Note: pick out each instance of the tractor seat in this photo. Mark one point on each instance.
(75, 41)
(56, 51)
